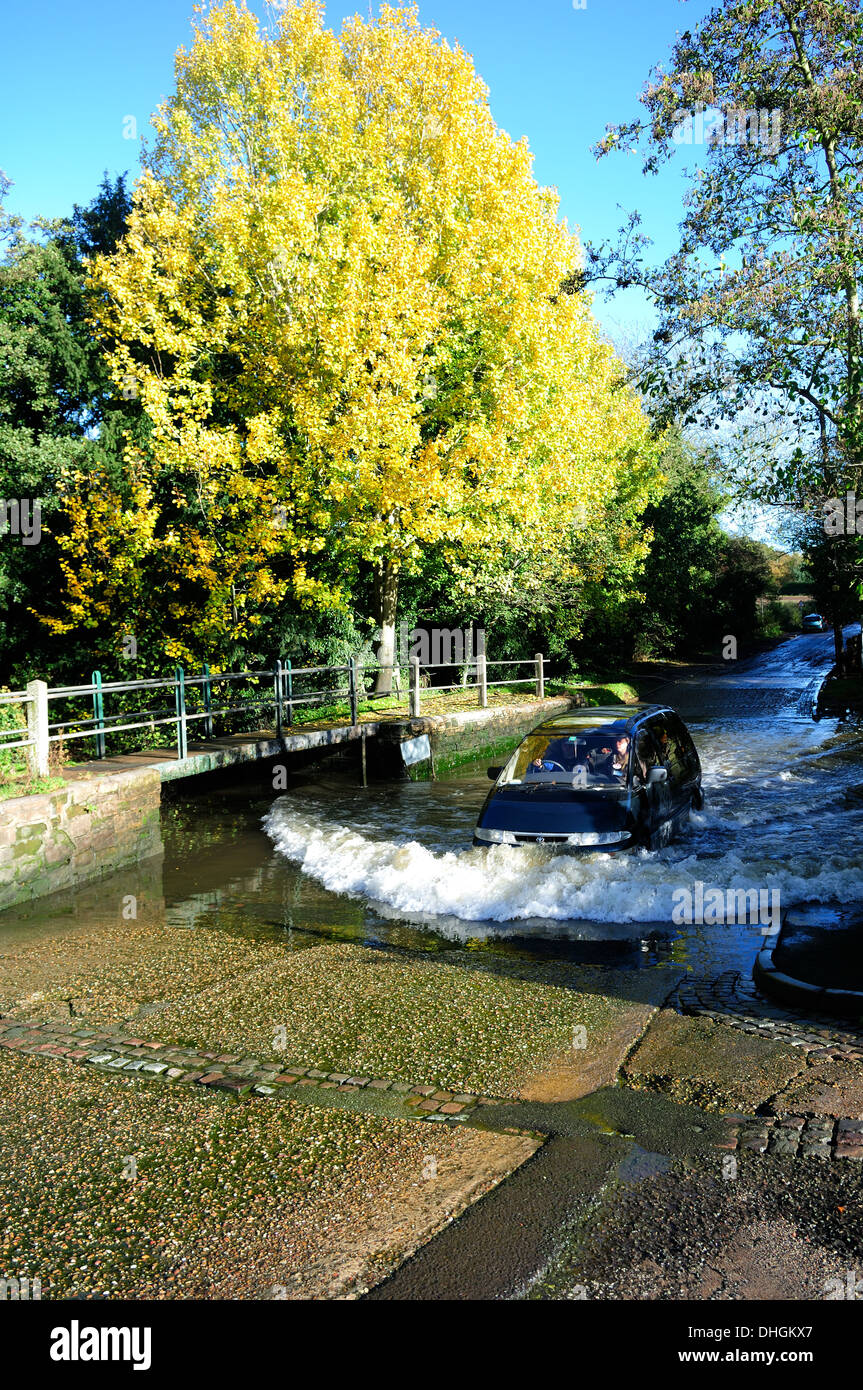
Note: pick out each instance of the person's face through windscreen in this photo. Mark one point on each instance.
(621, 753)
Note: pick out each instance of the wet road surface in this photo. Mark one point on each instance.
(331, 861)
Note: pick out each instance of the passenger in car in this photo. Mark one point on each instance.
(620, 761)
(645, 755)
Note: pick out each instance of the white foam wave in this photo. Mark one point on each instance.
(503, 883)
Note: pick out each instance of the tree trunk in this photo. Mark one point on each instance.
(386, 596)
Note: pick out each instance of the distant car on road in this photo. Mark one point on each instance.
(813, 622)
(610, 778)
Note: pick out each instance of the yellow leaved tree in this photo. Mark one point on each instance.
(339, 300)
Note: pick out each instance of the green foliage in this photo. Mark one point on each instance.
(759, 308)
(12, 761)
(776, 619)
(58, 412)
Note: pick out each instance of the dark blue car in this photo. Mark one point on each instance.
(609, 778)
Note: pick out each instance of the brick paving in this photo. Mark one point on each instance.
(732, 999)
(793, 1136)
(115, 1051)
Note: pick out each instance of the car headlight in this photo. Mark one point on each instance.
(496, 837)
(598, 837)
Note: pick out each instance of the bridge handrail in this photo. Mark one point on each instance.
(281, 697)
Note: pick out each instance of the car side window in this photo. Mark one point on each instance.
(669, 748)
(646, 755)
(686, 748)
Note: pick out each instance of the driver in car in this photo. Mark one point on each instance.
(539, 765)
(559, 756)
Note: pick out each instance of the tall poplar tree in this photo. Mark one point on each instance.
(339, 301)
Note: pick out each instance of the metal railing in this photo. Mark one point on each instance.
(19, 735)
(481, 666)
(214, 695)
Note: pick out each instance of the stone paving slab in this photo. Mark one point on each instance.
(118, 1053)
(830, 1083)
(700, 1061)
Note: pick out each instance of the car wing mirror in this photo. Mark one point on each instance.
(494, 773)
(657, 774)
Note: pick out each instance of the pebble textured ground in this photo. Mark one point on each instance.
(115, 1188)
(479, 1025)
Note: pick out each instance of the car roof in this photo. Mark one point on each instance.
(591, 716)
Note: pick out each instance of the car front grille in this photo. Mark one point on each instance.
(541, 839)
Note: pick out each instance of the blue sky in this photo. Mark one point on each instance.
(74, 73)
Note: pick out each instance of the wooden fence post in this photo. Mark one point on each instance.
(277, 696)
(352, 691)
(37, 728)
(180, 698)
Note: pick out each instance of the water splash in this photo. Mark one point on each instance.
(766, 824)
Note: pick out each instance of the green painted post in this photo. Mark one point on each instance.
(99, 713)
(277, 692)
(290, 676)
(208, 701)
(352, 691)
(180, 697)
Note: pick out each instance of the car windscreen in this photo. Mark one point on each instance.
(597, 757)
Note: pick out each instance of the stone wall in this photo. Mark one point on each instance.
(477, 733)
(90, 827)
